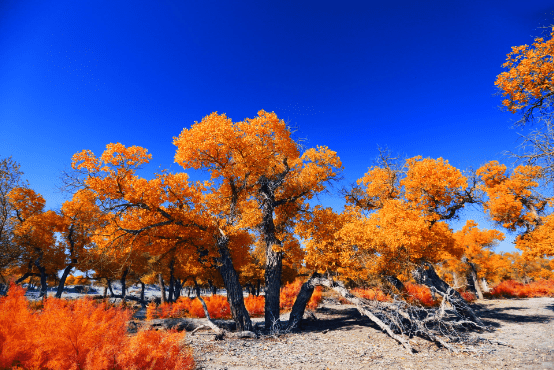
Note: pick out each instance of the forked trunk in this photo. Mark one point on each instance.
(472, 280)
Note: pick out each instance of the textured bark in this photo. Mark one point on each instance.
(473, 282)
(426, 275)
(142, 291)
(109, 284)
(171, 293)
(230, 278)
(61, 283)
(162, 288)
(316, 279)
(394, 282)
(304, 296)
(273, 253)
(123, 286)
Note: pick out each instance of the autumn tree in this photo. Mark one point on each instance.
(395, 225)
(477, 262)
(34, 229)
(10, 178)
(528, 88)
(165, 215)
(263, 182)
(514, 202)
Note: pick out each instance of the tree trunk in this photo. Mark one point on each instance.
(25, 276)
(302, 299)
(123, 286)
(394, 282)
(230, 278)
(258, 288)
(273, 268)
(109, 284)
(177, 292)
(162, 287)
(61, 284)
(472, 280)
(142, 291)
(43, 283)
(485, 286)
(171, 282)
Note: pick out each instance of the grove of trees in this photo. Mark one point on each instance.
(254, 220)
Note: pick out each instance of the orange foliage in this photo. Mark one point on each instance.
(420, 294)
(218, 308)
(529, 79)
(514, 289)
(255, 305)
(80, 334)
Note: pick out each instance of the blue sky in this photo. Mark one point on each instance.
(416, 77)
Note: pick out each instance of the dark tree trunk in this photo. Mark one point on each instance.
(162, 287)
(273, 253)
(258, 288)
(123, 286)
(171, 292)
(142, 291)
(230, 278)
(61, 284)
(43, 283)
(178, 287)
(213, 288)
(302, 299)
(109, 284)
(394, 282)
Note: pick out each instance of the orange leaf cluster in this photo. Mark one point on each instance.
(420, 294)
(81, 335)
(530, 75)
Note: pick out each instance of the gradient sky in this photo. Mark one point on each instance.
(415, 77)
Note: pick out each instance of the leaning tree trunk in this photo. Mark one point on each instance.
(426, 275)
(61, 284)
(230, 278)
(316, 279)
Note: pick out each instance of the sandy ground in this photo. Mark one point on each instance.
(341, 339)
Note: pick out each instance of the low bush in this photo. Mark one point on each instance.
(515, 289)
(81, 334)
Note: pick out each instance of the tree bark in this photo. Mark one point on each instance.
(170, 296)
(162, 288)
(142, 291)
(123, 286)
(473, 282)
(426, 275)
(394, 282)
(61, 284)
(230, 278)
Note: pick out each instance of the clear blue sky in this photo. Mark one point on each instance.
(416, 77)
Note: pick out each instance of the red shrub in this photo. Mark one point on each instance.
(80, 334)
(514, 289)
(255, 305)
(420, 294)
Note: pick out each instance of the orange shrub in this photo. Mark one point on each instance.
(80, 334)
(420, 294)
(255, 305)
(290, 291)
(514, 289)
(373, 294)
(217, 305)
(468, 296)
